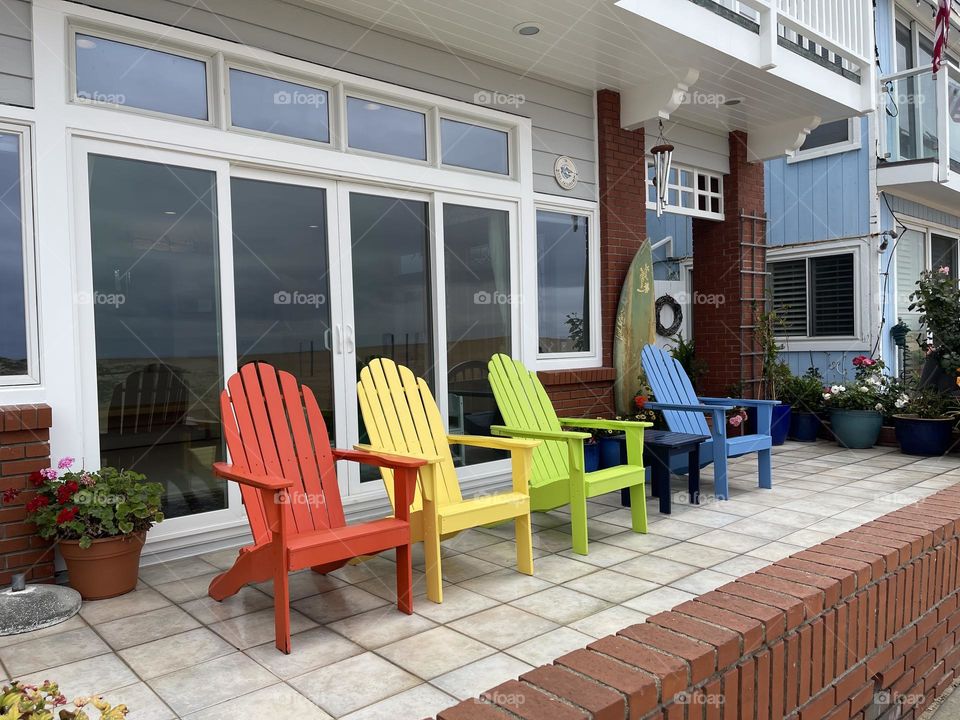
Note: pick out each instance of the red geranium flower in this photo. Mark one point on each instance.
(10, 494)
(66, 491)
(640, 401)
(38, 502)
(67, 514)
(36, 478)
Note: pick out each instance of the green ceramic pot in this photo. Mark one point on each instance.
(856, 428)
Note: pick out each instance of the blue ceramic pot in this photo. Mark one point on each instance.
(779, 423)
(804, 426)
(591, 457)
(918, 436)
(856, 428)
(612, 448)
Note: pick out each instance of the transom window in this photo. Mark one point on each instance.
(377, 127)
(473, 146)
(278, 106)
(690, 191)
(814, 296)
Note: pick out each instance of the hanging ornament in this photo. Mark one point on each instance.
(663, 158)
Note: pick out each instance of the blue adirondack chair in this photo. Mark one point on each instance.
(686, 413)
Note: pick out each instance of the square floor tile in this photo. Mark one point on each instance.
(601, 554)
(176, 652)
(561, 605)
(462, 567)
(331, 689)
(703, 581)
(46, 652)
(502, 626)
(143, 702)
(505, 585)
(72, 624)
(639, 542)
(660, 600)
(255, 628)
(731, 541)
(164, 572)
(543, 649)
(759, 528)
(86, 677)
(611, 586)
(181, 591)
(337, 604)
(215, 681)
(457, 603)
(380, 626)
(304, 584)
(655, 569)
(149, 626)
(434, 652)
(692, 554)
(503, 553)
(275, 701)
(774, 551)
(247, 600)
(609, 621)
(133, 603)
(424, 700)
(312, 649)
(472, 679)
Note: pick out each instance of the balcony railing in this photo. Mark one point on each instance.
(921, 115)
(838, 31)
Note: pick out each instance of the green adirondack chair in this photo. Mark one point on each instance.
(558, 476)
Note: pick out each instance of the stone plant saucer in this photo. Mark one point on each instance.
(35, 607)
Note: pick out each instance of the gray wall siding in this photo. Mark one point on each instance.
(563, 119)
(16, 57)
(912, 209)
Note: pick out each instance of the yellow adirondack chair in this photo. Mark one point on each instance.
(402, 419)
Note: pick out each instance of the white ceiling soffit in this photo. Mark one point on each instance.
(591, 46)
(780, 139)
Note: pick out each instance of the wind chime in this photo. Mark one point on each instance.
(663, 158)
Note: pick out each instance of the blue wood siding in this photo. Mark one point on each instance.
(818, 199)
(836, 366)
(680, 228)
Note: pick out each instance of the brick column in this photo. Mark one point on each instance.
(24, 448)
(718, 259)
(623, 226)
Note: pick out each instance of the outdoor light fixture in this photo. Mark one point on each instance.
(663, 158)
(526, 29)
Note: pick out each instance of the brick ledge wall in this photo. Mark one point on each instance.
(865, 625)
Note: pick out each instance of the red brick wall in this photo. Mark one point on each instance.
(24, 447)
(718, 259)
(869, 618)
(623, 227)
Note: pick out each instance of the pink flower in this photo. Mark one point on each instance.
(65, 462)
(736, 420)
(49, 473)
(944, 270)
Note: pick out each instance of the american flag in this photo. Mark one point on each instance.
(941, 32)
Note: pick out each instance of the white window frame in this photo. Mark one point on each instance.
(431, 125)
(28, 239)
(928, 230)
(511, 144)
(211, 63)
(861, 270)
(570, 360)
(697, 193)
(853, 142)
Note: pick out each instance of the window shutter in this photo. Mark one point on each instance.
(831, 294)
(789, 281)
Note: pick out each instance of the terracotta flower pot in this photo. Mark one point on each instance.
(107, 568)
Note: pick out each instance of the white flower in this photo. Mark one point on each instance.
(837, 389)
(901, 402)
(879, 407)
(827, 396)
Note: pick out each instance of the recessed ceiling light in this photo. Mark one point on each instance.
(733, 101)
(527, 29)
(313, 227)
(85, 43)
(372, 106)
(169, 212)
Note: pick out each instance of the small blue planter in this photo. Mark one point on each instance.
(918, 436)
(856, 428)
(779, 424)
(591, 457)
(612, 450)
(804, 426)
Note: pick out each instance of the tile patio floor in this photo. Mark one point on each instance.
(169, 651)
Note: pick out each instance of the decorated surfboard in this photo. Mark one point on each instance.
(635, 327)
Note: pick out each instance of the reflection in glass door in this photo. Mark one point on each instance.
(282, 282)
(390, 259)
(153, 230)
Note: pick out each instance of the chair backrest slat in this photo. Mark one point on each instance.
(400, 414)
(525, 405)
(273, 426)
(670, 384)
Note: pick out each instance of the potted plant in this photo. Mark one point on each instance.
(937, 299)
(804, 393)
(99, 520)
(21, 701)
(684, 352)
(609, 446)
(856, 409)
(774, 374)
(925, 420)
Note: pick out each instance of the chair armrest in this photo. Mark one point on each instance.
(602, 424)
(689, 408)
(745, 402)
(229, 471)
(397, 454)
(379, 459)
(494, 443)
(562, 436)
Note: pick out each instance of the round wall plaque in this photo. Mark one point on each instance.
(565, 171)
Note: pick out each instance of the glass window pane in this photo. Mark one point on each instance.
(473, 146)
(281, 273)
(13, 309)
(686, 178)
(563, 282)
(133, 76)
(943, 253)
(153, 231)
(386, 129)
(476, 244)
(909, 264)
(827, 134)
(277, 106)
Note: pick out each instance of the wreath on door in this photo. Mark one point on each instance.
(668, 301)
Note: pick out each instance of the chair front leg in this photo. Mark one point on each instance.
(521, 461)
(431, 535)
(281, 580)
(638, 493)
(578, 497)
(719, 433)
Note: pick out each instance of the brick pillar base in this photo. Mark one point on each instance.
(24, 448)
(719, 283)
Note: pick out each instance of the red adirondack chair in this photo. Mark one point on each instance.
(282, 458)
